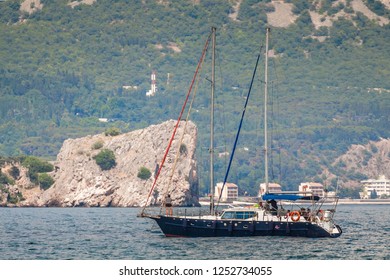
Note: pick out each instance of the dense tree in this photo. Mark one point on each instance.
(105, 159)
(62, 68)
(45, 181)
(35, 166)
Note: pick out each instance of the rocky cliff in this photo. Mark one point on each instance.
(365, 161)
(79, 181)
(360, 162)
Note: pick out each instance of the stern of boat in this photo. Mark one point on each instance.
(325, 220)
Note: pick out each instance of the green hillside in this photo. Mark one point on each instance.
(63, 68)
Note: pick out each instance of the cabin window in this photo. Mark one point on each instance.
(245, 215)
(228, 215)
(242, 215)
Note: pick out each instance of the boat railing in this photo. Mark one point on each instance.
(314, 211)
(191, 212)
(179, 211)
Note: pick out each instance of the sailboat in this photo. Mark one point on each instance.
(276, 214)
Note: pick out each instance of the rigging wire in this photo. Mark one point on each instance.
(272, 133)
(239, 129)
(258, 128)
(275, 124)
(223, 118)
(182, 135)
(177, 123)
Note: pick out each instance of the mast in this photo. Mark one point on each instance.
(265, 112)
(211, 150)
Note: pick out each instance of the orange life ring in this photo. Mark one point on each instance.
(295, 216)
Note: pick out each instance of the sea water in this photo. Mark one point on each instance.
(118, 234)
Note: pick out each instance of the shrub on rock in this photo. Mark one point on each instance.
(105, 159)
(144, 173)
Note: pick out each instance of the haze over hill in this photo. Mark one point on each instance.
(65, 64)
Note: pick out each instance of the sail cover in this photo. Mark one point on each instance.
(283, 196)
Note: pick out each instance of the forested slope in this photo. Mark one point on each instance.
(62, 68)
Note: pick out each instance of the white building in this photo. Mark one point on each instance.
(130, 87)
(153, 86)
(312, 188)
(381, 187)
(272, 188)
(229, 192)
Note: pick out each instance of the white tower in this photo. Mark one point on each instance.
(153, 77)
(153, 86)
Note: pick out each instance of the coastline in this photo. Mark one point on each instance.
(342, 201)
(363, 201)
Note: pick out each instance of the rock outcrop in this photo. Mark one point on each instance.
(79, 181)
(21, 189)
(371, 160)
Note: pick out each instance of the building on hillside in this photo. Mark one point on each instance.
(380, 186)
(229, 192)
(312, 188)
(272, 188)
(130, 87)
(153, 86)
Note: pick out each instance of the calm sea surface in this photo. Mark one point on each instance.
(116, 233)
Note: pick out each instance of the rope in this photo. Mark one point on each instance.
(238, 132)
(177, 124)
(182, 137)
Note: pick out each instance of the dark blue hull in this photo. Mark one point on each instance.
(191, 227)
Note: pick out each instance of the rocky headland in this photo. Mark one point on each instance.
(81, 182)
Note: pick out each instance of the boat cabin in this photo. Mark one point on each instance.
(238, 214)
